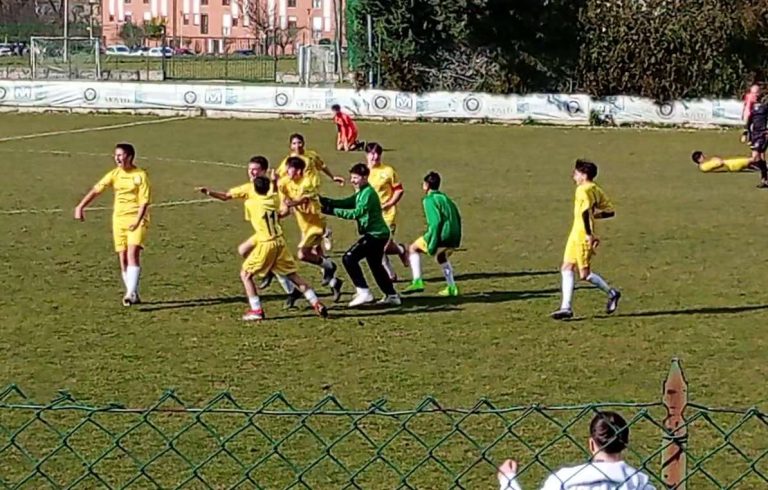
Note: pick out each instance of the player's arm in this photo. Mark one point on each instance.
(345, 203)
(432, 235)
(221, 196)
(97, 189)
(397, 193)
(362, 206)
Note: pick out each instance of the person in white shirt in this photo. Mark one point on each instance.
(608, 437)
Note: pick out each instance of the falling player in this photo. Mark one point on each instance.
(386, 183)
(130, 216)
(346, 130)
(590, 204)
(314, 165)
(442, 238)
(716, 164)
(300, 194)
(257, 167)
(270, 253)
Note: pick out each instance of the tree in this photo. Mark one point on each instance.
(266, 27)
(132, 34)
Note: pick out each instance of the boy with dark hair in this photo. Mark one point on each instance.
(346, 130)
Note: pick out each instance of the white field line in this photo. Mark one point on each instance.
(167, 204)
(88, 130)
(109, 155)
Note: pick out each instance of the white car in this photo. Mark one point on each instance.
(118, 50)
(6, 51)
(158, 52)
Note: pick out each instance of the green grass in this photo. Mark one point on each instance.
(686, 249)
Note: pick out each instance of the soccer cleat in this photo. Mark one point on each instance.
(361, 299)
(390, 300)
(762, 185)
(127, 301)
(450, 291)
(613, 301)
(321, 310)
(336, 290)
(329, 273)
(131, 299)
(416, 286)
(562, 314)
(264, 284)
(290, 301)
(253, 315)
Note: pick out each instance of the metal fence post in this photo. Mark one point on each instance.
(675, 399)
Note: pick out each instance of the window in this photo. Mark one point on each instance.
(292, 23)
(291, 4)
(225, 2)
(111, 18)
(204, 24)
(235, 22)
(127, 1)
(316, 4)
(186, 19)
(146, 2)
(203, 2)
(128, 18)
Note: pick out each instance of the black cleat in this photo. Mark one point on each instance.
(336, 290)
(290, 301)
(562, 314)
(613, 301)
(264, 284)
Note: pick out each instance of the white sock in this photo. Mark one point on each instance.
(363, 291)
(388, 266)
(132, 279)
(599, 282)
(326, 264)
(255, 302)
(415, 260)
(311, 296)
(568, 284)
(285, 283)
(125, 279)
(448, 273)
(333, 282)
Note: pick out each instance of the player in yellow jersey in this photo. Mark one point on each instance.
(130, 216)
(385, 181)
(590, 204)
(314, 166)
(257, 167)
(717, 164)
(270, 253)
(300, 195)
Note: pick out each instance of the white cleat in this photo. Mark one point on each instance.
(361, 299)
(390, 300)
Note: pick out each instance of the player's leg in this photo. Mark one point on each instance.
(374, 256)
(244, 249)
(120, 239)
(255, 312)
(442, 257)
(135, 244)
(415, 250)
(586, 274)
(256, 266)
(285, 266)
(339, 141)
(567, 285)
(303, 286)
(351, 261)
(394, 248)
(761, 164)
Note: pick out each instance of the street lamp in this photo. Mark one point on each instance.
(66, 30)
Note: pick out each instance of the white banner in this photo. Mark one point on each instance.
(316, 102)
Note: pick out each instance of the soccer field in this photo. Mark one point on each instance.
(686, 249)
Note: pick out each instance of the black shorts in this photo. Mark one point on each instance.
(759, 143)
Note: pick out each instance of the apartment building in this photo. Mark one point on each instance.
(216, 26)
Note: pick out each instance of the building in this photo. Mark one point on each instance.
(220, 26)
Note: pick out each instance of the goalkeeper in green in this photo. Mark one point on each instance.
(442, 238)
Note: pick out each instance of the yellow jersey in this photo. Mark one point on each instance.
(717, 164)
(132, 190)
(314, 165)
(589, 197)
(245, 192)
(261, 211)
(298, 189)
(385, 181)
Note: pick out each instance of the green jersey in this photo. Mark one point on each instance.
(365, 208)
(443, 222)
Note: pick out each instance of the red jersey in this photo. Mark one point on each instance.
(346, 125)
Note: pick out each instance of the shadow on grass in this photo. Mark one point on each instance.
(706, 310)
(473, 276)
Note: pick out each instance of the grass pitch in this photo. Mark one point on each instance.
(686, 249)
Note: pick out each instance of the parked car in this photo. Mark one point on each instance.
(183, 52)
(244, 52)
(160, 52)
(6, 51)
(118, 50)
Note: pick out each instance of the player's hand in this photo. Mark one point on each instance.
(272, 175)
(339, 180)
(593, 242)
(133, 226)
(506, 474)
(203, 190)
(385, 206)
(79, 214)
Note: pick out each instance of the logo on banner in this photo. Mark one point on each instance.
(3, 93)
(472, 104)
(381, 102)
(90, 95)
(573, 107)
(190, 97)
(281, 99)
(403, 102)
(666, 109)
(213, 97)
(23, 92)
(231, 97)
(523, 107)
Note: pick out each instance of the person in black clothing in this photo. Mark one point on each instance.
(365, 208)
(757, 132)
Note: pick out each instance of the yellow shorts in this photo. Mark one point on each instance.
(390, 218)
(312, 230)
(577, 252)
(272, 256)
(123, 237)
(421, 244)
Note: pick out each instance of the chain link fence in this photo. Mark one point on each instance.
(276, 444)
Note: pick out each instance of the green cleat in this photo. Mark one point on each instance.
(416, 286)
(450, 291)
